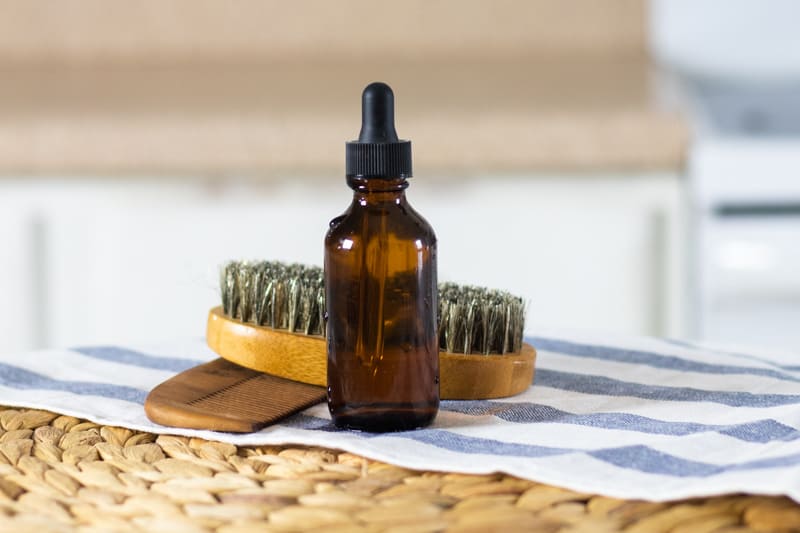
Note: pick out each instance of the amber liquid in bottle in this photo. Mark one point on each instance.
(381, 294)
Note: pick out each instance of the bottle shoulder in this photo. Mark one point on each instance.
(400, 219)
(421, 222)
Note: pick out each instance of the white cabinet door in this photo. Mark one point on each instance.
(138, 261)
(123, 272)
(585, 252)
(22, 294)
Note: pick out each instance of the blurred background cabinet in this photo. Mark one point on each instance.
(93, 262)
(143, 144)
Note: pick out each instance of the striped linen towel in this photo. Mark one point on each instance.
(633, 418)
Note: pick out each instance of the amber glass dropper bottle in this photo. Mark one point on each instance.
(380, 282)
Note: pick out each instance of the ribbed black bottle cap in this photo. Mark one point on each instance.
(378, 153)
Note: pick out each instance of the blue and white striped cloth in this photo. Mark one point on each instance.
(632, 418)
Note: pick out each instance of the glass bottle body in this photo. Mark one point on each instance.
(381, 297)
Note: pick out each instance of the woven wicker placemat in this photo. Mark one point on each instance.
(59, 473)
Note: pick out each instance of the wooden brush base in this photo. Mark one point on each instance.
(303, 358)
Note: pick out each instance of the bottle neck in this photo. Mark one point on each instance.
(377, 190)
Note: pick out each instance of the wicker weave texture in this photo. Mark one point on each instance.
(59, 473)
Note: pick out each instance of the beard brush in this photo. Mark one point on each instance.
(270, 333)
(272, 320)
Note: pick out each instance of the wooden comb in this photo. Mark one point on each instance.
(222, 396)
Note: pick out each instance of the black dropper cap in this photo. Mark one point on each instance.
(378, 153)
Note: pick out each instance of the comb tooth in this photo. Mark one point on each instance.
(259, 397)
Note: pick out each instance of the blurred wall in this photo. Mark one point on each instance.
(169, 31)
(744, 39)
(262, 87)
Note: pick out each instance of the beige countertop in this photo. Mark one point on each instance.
(277, 118)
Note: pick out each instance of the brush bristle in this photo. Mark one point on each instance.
(479, 320)
(269, 293)
(472, 320)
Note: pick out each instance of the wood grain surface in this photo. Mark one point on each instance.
(303, 358)
(222, 396)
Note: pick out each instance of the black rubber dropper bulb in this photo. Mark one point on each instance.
(377, 114)
(378, 152)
